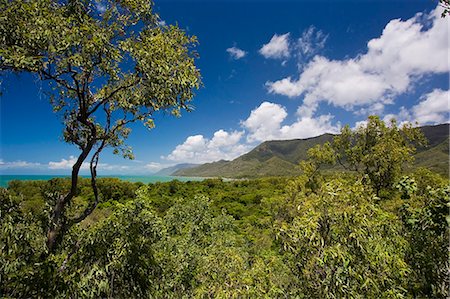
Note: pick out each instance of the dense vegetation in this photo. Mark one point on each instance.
(317, 235)
(371, 231)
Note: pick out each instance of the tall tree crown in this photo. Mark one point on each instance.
(110, 63)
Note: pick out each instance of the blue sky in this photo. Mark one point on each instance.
(271, 70)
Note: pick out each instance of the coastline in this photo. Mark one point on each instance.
(146, 179)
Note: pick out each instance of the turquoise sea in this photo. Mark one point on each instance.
(4, 179)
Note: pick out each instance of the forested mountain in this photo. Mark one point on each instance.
(281, 157)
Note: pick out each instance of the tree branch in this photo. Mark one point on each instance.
(57, 225)
(107, 98)
(93, 169)
(46, 75)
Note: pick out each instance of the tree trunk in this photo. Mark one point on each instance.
(58, 222)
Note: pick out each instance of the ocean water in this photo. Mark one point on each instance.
(5, 179)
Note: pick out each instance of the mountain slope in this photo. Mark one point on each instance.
(435, 158)
(270, 158)
(436, 134)
(281, 157)
(289, 150)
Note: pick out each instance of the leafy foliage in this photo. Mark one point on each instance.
(319, 235)
(178, 240)
(426, 225)
(445, 4)
(342, 245)
(377, 150)
(108, 68)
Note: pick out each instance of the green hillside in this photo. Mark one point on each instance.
(436, 158)
(270, 158)
(281, 157)
(436, 134)
(292, 151)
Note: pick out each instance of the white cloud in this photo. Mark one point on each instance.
(162, 23)
(376, 108)
(340, 83)
(434, 108)
(236, 53)
(403, 117)
(66, 164)
(264, 122)
(222, 138)
(198, 149)
(404, 52)
(359, 124)
(306, 127)
(286, 87)
(63, 164)
(18, 164)
(277, 47)
(311, 42)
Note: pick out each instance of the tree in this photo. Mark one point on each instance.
(445, 4)
(378, 150)
(109, 63)
(341, 244)
(425, 218)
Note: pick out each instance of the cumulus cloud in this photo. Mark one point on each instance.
(264, 122)
(236, 53)
(277, 47)
(402, 117)
(405, 51)
(433, 108)
(285, 86)
(198, 149)
(305, 127)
